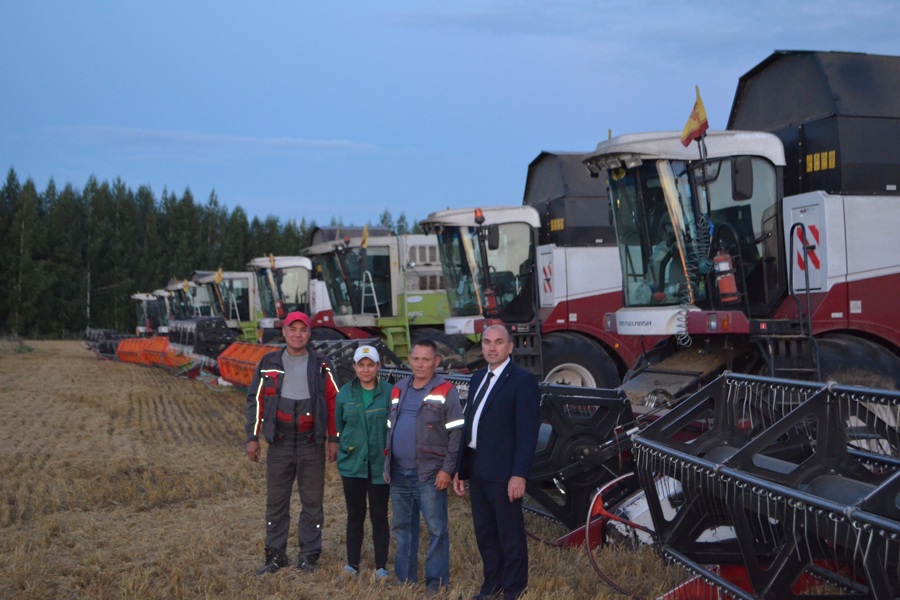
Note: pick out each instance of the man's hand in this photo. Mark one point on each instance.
(253, 451)
(441, 481)
(331, 452)
(459, 486)
(516, 488)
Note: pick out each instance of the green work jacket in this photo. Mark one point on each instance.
(362, 430)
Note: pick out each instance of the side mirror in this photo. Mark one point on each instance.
(741, 178)
(493, 237)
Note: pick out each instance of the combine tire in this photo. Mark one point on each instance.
(571, 359)
(851, 360)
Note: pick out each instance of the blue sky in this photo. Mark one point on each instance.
(347, 108)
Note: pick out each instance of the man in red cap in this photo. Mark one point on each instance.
(290, 403)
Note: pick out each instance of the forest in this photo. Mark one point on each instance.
(70, 259)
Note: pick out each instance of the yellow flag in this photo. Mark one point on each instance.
(365, 237)
(696, 124)
(219, 276)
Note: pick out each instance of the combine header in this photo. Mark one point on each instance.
(238, 362)
(791, 483)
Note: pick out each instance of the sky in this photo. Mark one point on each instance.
(344, 109)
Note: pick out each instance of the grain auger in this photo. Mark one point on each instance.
(790, 489)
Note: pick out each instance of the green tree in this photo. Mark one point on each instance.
(237, 239)
(9, 197)
(102, 301)
(149, 268)
(267, 238)
(402, 225)
(187, 236)
(386, 220)
(28, 265)
(66, 222)
(213, 222)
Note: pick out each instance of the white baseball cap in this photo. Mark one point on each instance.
(366, 352)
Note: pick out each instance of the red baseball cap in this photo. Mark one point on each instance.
(296, 316)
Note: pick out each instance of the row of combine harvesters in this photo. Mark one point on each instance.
(735, 406)
(215, 321)
(219, 324)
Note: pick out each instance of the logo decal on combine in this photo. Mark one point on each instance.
(548, 273)
(811, 253)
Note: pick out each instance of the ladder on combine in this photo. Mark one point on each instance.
(394, 329)
(791, 350)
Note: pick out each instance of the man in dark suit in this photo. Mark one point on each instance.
(500, 433)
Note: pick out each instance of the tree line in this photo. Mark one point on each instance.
(70, 259)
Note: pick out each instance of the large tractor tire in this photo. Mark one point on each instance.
(850, 360)
(571, 359)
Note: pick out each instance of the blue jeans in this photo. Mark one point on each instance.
(409, 497)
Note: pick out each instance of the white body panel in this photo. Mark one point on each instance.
(461, 325)
(318, 297)
(570, 273)
(856, 238)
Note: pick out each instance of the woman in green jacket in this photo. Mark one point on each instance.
(360, 415)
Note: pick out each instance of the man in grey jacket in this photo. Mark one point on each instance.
(424, 430)
(291, 404)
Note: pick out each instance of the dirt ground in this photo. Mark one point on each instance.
(124, 481)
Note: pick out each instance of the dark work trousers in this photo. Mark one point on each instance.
(303, 461)
(356, 490)
(500, 535)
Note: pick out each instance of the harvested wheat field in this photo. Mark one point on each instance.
(123, 481)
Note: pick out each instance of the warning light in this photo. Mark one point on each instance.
(479, 216)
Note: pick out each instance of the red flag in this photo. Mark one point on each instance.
(696, 124)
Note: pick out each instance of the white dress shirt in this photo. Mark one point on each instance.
(487, 393)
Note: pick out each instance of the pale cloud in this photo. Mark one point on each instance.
(184, 143)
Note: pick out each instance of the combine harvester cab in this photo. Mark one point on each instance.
(152, 316)
(384, 286)
(286, 284)
(233, 296)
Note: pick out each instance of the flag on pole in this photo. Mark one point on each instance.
(365, 236)
(696, 124)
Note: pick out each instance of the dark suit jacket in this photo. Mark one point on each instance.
(507, 430)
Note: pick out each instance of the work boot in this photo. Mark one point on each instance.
(308, 563)
(275, 560)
